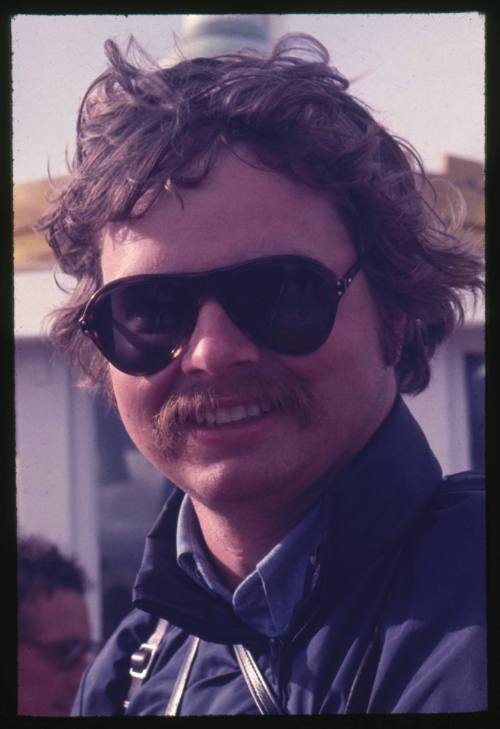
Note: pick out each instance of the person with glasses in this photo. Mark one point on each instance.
(259, 278)
(53, 642)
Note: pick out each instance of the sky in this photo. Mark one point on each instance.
(422, 75)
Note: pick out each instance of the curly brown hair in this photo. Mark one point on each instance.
(140, 125)
(41, 567)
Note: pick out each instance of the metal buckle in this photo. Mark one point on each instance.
(144, 657)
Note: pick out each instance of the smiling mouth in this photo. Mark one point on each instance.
(227, 415)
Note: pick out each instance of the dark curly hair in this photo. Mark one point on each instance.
(140, 125)
(42, 567)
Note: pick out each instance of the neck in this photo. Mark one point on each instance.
(238, 536)
(237, 542)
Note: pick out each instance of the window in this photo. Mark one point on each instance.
(130, 495)
(475, 377)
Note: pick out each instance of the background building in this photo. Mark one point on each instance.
(81, 482)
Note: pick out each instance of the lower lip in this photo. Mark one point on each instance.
(240, 432)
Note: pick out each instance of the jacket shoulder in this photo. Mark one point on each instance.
(465, 489)
(437, 613)
(106, 681)
(453, 527)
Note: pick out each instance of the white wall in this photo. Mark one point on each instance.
(42, 434)
(441, 409)
(56, 495)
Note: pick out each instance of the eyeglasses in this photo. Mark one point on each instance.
(66, 654)
(286, 303)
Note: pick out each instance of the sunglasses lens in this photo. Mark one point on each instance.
(287, 304)
(140, 326)
(287, 307)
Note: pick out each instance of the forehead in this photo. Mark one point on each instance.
(239, 212)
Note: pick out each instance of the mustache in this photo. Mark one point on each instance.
(286, 392)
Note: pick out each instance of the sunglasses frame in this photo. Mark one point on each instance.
(87, 320)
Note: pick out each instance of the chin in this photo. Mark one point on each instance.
(244, 483)
(220, 483)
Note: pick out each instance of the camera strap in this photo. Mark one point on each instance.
(257, 685)
(142, 659)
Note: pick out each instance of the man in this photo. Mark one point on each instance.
(53, 629)
(259, 277)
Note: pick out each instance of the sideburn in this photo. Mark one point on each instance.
(392, 332)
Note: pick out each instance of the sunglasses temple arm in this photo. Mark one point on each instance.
(346, 280)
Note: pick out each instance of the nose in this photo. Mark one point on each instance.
(216, 343)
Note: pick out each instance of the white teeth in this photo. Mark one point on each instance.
(231, 415)
(238, 413)
(222, 416)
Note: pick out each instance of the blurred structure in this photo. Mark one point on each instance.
(211, 35)
(467, 176)
(97, 496)
(53, 629)
(30, 248)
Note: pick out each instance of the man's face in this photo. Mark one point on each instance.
(237, 214)
(48, 677)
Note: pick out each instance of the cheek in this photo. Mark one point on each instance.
(356, 340)
(343, 353)
(348, 368)
(133, 404)
(139, 399)
(33, 672)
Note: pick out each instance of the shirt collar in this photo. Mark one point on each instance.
(368, 509)
(267, 598)
(192, 553)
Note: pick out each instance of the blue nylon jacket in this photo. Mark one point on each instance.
(393, 620)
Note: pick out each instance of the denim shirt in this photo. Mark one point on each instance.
(266, 598)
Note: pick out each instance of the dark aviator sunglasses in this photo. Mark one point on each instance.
(286, 303)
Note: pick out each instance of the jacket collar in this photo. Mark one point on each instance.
(369, 507)
(381, 493)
